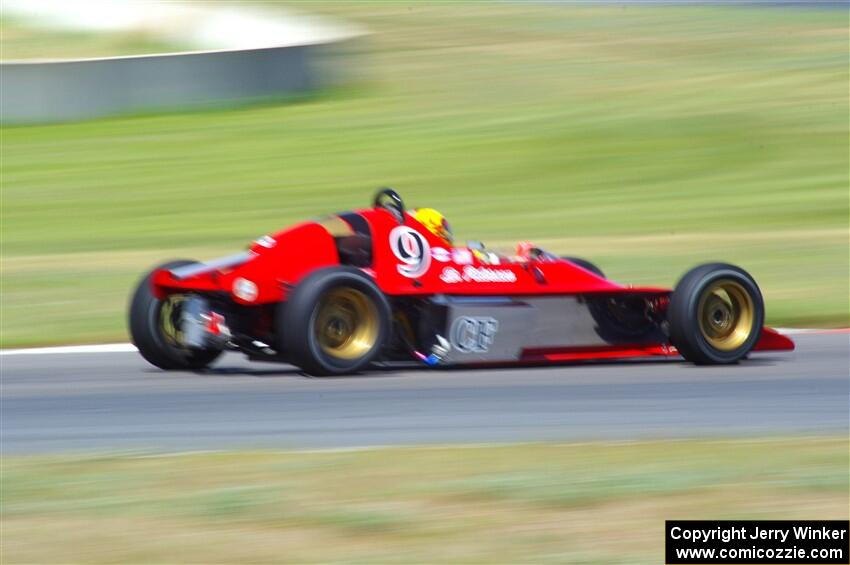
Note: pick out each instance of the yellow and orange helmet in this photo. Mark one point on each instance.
(436, 223)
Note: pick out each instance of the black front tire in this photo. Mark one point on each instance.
(147, 335)
(586, 265)
(335, 322)
(716, 314)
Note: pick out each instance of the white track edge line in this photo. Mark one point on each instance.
(102, 348)
(129, 347)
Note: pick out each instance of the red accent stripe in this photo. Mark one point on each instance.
(770, 340)
(596, 352)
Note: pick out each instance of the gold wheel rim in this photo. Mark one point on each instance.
(346, 324)
(168, 322)
(726, 313)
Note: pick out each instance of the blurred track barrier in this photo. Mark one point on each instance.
(233, 54)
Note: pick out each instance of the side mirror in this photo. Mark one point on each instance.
(389, 200)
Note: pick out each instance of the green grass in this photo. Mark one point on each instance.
(648, 139)
(582, 503)
(20, 41)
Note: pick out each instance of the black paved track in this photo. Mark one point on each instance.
(114, 401)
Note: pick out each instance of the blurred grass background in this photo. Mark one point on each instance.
(646, 138)
(522, 503)
(19, 40)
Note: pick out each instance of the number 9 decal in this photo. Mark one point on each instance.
(412, 250)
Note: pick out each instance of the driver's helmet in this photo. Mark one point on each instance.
(436, 223)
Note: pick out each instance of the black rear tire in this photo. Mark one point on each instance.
(335, 322)
(618, 319)
(147, 334)
(586, 265)
(716, 314)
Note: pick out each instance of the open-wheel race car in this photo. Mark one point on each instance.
(335, 294)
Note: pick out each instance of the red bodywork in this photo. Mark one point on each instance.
(278, 262)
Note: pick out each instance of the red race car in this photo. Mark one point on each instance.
(337, 293)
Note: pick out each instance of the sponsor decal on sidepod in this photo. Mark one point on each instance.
(462, 256)
(474, 335)
(441, 254)
(450, 275)
(266, 241)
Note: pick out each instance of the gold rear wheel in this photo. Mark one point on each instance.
(156, 327)
(726, 311)
(334, 322)
(346, 324)
(169, 319)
